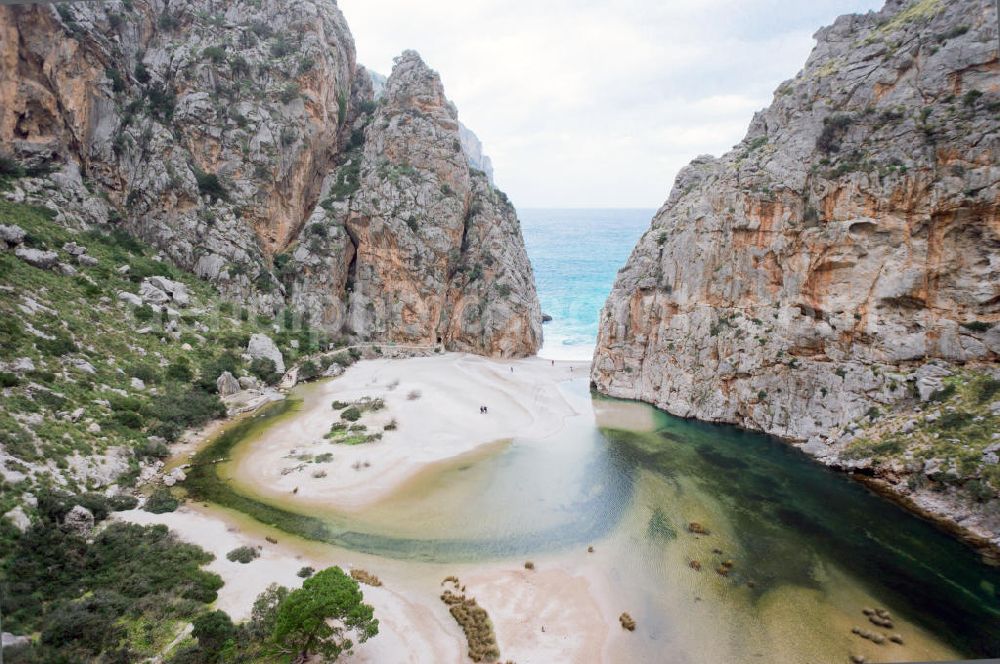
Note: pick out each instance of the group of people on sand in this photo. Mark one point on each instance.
(483, 410)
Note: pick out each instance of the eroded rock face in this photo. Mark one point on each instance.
(426, 249)
(853, 236)
(215, 131)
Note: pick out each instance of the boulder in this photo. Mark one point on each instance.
(249, 383)
(37, 258)
(174, 289)
(18, 517)
(151, 294)
(73, 249)
(11, 234)
(131, 298)
(86, 261)
(262, 346)
(137, 383)
(8, 640)
(79, 520)
(226, 384)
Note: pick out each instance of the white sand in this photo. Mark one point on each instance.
(444, 422)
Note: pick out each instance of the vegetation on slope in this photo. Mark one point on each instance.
(107, 377)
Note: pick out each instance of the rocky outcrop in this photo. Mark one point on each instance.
(426, 249)
(215, 132)
(799, 283)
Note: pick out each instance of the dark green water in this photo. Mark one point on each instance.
(786, 513)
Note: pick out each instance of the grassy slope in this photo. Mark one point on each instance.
(955, 427)
(86, 321)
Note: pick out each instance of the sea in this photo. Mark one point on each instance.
(576, 254)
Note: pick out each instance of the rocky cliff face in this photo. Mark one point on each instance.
(843, 258)
(243, 140)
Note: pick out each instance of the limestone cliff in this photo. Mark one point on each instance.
(242, 139)
(836, 266)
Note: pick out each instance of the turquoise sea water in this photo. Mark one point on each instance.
(576, 255)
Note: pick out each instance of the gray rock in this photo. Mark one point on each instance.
(18, 518)
(137, 383)
(93, 428)
(226, 384)
(79, 520)
(12, 235)
(8, 640)
(249, 383)
(82, 365)
(86, 261)
(130, 298)
(37, 258)
(262, 345)
(73, 249)
(151, 294)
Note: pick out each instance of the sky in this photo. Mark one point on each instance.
(598, 103)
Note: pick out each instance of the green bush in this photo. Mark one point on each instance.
(74, 592)
(161, 501)
(8, 379)
(352, 414)
(306, 572)
(264, 368)
(210, 185)
(243, 554)
(183, 408)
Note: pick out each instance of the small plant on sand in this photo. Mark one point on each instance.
(474, 621)
(365, 577)
(352, 414)
(243, 554)
(391, 426)
(306, 572)
(627, 622)
(413, 395)
(529, 565)
(340, 405)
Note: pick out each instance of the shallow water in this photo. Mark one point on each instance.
(809, 547)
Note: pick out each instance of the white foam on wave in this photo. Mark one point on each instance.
(556, 347)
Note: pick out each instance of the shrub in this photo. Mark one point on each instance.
(264, 368)
(213, 630)
(210, 185)
(8, 379)
(306, 572)
(161, 501)
(352, 414)
(243, 554)
(214, 53)
(978, 326)
(185, 407)
(834, 128)
(987, 389)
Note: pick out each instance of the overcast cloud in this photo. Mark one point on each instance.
(587, 103)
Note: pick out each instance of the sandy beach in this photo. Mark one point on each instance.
(435, 404)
